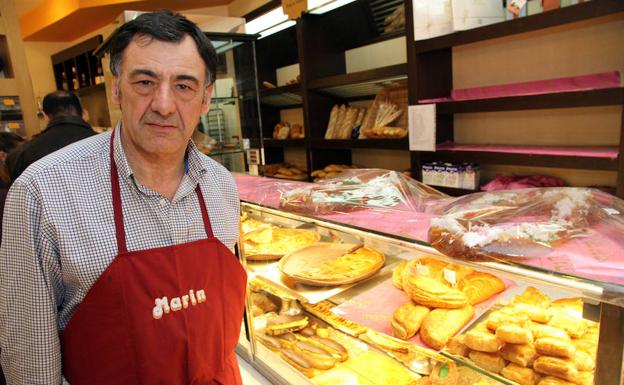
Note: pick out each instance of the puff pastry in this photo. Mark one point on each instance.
(549, 380)
(397, 275)
(456, 346)
(429, 292)
(535, 313)
(514, 334)
(519, 374)
(522, 355)
(575, 327)
(584, 361)
(499, 318)
(479, 286)
(571, 306)
(482, 341)
(556, 367)
(540, 331)
(442, 324)
(532, 296)
(555, 347)
(406, 320)
(489, 361)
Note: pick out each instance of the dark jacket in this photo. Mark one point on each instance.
(59, 133)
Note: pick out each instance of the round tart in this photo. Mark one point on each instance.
(274, 242)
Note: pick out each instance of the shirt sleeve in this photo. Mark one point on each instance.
(30, 293)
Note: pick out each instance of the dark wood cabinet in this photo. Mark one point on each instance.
(76, 68)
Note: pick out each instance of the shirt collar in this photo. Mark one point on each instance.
(196, 167)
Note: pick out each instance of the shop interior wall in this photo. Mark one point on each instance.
(579, 49)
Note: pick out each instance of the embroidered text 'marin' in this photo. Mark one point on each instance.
(163, 306)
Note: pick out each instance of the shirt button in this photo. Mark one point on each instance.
(162, 202)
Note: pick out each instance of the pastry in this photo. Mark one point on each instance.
(556, 367)
(296, 131)
(535, 313)
(451, 274)
(386, 342)
(281, 130)
(499, 318)
(429, 292)
(480, 286)
(514, 334)
(482, 341)
(283, 324)
(571, 306)
(584, 361)
(519, 374)
(532, 296)
(550, 380)
(334, 348)
(317, 357)
(586, 346)
(575, 327)
(323, 310)
(397, 275)
(522, 355)
(299, 362)
(269, 341)
(427, 266)
(548, 346)
(263, 302)
(406, 320)
(488, 361)
(456, 346)
(540, 331)
(274, 242)
(442, 324)
(586, 378)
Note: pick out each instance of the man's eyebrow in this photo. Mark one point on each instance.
(142, 71)
(190, 78)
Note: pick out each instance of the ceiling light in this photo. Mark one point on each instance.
(266, 21)
(324, 6)
(277, 28)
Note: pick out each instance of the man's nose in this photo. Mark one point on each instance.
(164, 101)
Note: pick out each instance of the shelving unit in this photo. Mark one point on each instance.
(431, 76)
(76, 68)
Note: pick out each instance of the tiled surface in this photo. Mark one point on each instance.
(250, 375)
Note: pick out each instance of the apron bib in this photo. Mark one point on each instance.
(169, 315)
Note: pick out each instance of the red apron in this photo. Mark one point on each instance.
(169, 315)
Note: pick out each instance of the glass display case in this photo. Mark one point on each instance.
(233, 114)
(336, 303)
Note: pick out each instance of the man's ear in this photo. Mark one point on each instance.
(115, 91)
(206, 99)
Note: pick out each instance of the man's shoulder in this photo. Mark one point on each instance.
(83, 151)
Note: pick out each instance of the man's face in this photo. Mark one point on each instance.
(161, 92)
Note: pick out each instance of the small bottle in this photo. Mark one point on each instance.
(75, 84)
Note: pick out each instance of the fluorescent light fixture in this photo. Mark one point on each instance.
(266, 21)
(277, 28)
(324, 6)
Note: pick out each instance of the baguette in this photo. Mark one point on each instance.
(333, 118)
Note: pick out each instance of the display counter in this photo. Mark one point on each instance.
(373, 302)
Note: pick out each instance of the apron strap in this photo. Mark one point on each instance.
(120, 231)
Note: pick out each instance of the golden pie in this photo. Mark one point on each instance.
(274, 242)
(335, 269)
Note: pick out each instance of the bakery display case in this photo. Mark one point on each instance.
(351, 296)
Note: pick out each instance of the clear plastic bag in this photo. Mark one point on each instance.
(357, 189)
(525, 223)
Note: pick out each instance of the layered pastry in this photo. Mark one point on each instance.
(555, 347)
(519, 374)
(407, 318)
(557, 367)
(478, 286)
(274, 242)
(491, 362)
(514, 334)
(441, 324)
(432, 293)
(283, 324)
(482, 341)
(522, 355)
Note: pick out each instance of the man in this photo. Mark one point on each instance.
(66, 124)
(110, 244)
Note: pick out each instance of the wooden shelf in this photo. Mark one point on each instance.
(387, 144)
(288, 96)
(381, 38)
(566, 158)
(284, 142)
(571, 14)
(360, 84)
(601, 97)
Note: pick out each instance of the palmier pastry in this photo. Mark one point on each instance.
(429, 292)
(480, 286)
(406, 320)
(514, 334)
(442, 324)
(555, 347)
(575, 327)
(283, 324)
(489, 361)
(522, 355)
(535, 313)
(482, 341)
(397, 275)
(519, 374)
(556, 367)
